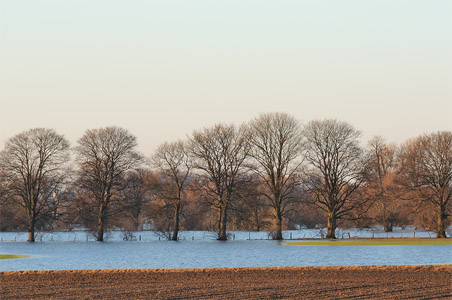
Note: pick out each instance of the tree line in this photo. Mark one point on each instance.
(270, 173)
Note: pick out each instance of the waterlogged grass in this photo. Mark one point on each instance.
(375, 242)
(12, 256)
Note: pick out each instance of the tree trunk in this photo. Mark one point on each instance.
(388, 226)
(441, 232)
(222, 224)
(100, 232)
(256, 220)
(279, 228)
(31, 231)
(176, 222)
(100, 224)
(331, 234)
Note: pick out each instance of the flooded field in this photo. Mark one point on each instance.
(65, 251)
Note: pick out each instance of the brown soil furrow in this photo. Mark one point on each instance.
(398, 282)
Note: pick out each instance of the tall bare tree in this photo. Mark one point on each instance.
(173, 162)
(135, 195)
(252, 210)
(277, 157)
(104, 156)
(32, 166)
(427, 169)
(381, 174)
(337, 168)
(219, 153)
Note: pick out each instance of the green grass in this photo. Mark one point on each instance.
(12, 256)
(375, 242)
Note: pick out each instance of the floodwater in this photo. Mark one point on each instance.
(70, 250)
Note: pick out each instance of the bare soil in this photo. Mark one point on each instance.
(374, 282)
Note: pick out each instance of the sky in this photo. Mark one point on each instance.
(164, 68)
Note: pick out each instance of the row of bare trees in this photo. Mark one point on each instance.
(265, 174)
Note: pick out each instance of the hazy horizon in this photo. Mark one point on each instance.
(162, 69)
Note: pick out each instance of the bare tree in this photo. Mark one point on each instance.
(219, 153)
(277, 157)
(104, 156)
(135, 195)
(174, 164)
(252, 210)
(337, 168)
(427, 169)
(197, 213)
(381, 187)
(32, 166)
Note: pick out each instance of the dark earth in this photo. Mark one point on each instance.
(367, 282)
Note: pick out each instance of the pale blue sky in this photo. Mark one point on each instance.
(165, 68)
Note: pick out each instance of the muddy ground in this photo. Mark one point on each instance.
(380, 282)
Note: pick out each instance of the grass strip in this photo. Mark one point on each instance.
(12, 256)
(375, 242)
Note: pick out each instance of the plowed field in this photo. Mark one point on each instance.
(379, 282)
